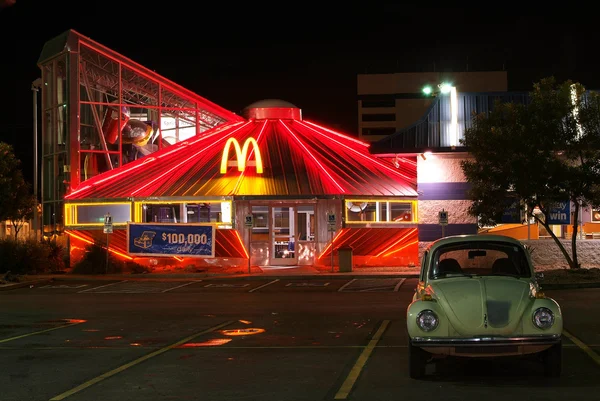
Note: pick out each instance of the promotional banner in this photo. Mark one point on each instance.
(167, 239)
(512, 213)
(560, 213)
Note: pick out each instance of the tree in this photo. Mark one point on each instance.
(540, 154)
(16, 202)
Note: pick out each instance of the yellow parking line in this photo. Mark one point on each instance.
(344, 391)
(5, 340)
(135, 362)
(590, 352)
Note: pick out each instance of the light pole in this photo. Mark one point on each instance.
(35, 88)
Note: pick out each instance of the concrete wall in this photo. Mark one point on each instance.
(441, 184)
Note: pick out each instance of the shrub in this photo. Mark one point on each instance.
(30, 257)
(94, 262)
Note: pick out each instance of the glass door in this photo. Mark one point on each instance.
(283, 231)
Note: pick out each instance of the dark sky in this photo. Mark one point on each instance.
(304, 52)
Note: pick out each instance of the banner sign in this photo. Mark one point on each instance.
(512, 213)
(560, 213)
(171, 239)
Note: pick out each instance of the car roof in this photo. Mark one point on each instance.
(473, 237)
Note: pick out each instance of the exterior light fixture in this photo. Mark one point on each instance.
(445, 87)
(427, 90)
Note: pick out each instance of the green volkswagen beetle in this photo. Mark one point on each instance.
(478, 296)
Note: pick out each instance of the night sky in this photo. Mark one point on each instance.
(307, 53)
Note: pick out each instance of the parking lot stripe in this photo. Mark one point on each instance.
(346, 285)
(182, 285)
(136, 362)
(344, 391)
(397, 287)
(264, 285)
(590, 352)
(102, 286)
(5, 340)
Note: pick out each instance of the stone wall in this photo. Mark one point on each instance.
(441, 185)
(547, 255)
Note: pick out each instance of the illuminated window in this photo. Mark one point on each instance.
(184, 212)
(78, 214)
(365, 211)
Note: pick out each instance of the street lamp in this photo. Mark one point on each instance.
(35, 88)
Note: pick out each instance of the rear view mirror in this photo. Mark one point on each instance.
(472, 254)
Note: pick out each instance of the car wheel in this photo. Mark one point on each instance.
(417, 361)
(553, 360)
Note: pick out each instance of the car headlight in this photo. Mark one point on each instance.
(543, 318)
(427, 320)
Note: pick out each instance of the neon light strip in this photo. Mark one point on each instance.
(368, 157)
(313, 157)
(343, 230)
(401, 248)
(411, 232)
(92, 243)
(239, 181)
(242, 244)
(142, 163)
(185, 161)
(338, 134)
(165, 83)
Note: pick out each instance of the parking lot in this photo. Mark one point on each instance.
(272, 339)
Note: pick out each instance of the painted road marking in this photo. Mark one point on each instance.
(64, 286)
(5, 340)
(138, 287)
(344, 391)
(136, 362)
(264, 285)
(226, 285)
(309, 284)
(346, 285)
(585, 348)
(373, 285)
(102, 286)
(182, 285)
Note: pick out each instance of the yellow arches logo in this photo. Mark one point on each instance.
(241, 155)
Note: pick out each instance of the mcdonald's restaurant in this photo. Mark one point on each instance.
(169, 179)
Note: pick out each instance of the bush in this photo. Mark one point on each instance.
(94, 262)
(30, 257)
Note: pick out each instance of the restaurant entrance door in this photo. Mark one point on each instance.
(283, 236)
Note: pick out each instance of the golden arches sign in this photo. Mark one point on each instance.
(241, 155)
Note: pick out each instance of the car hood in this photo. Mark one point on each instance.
(483, 305)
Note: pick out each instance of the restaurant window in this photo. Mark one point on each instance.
(359, 211)
(184, 212)
(260, 230)
(93, 214)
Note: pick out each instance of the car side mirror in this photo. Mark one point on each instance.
(539, 276)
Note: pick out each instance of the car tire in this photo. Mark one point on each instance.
(417, 361)
(553, 361)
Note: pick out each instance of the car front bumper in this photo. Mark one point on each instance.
(486, 346)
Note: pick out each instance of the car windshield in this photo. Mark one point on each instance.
(479, 258)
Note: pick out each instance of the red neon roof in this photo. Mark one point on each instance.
(300, 158)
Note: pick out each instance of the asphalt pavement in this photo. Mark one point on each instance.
(284, 338)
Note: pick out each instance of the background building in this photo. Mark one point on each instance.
(390, 102)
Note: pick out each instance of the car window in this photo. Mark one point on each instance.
(480, 258)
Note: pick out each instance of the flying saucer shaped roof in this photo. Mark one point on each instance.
(298, 158)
